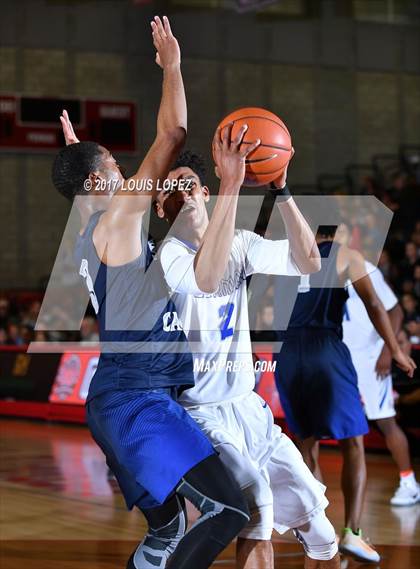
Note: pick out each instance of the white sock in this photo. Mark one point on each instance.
(410, 479)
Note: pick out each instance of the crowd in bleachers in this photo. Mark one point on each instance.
(400, 257)
(18, 319)
(399, 262)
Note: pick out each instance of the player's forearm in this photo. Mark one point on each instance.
(172, 116)
(170, 138)
(212, 258)
(303, 246)
(396, 317)
(380, 319)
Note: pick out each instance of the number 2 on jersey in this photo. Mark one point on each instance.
(225, 312)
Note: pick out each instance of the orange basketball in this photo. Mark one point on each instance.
(267, 161)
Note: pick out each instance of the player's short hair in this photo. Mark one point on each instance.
(188, 159)
(72, 167)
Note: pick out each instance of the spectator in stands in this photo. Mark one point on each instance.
(407, 286)
(26, 333)
(3, 337)
(387, 267)
(89, 330)
(415, 237)
(416, 287)
(264, 328)
(411, 257)
(411, 317)
(41, 336)
(30, 317)
(13, 333)
(4, 311)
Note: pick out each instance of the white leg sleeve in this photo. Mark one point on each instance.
(318, 538)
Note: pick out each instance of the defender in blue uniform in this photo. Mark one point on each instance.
(316, 378)
(156, 451)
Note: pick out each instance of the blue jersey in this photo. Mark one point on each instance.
(317, 305)
(136, 317)
(315, 376)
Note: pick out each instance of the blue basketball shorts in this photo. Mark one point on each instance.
(149, 442)
(317, 384)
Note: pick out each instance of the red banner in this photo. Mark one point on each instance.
(75, 372)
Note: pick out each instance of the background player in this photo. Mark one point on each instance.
(206, 263)
(372, 361)
(156, 451)
(317, 381)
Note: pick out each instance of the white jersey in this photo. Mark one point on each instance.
(216, 324)
(358, 331)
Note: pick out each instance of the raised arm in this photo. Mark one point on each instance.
(117, 235)
(376, 311)
(211, 260)
(303, 247)
(171, 124)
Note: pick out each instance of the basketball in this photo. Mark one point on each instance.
(267, 161)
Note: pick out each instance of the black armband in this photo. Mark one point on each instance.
(283, 193)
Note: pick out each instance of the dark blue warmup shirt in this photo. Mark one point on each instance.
(134, 313)
(317, 306)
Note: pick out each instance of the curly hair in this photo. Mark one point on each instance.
(188, 159)
(72, 167)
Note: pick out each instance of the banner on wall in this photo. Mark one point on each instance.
(75, 372)
(265, 384)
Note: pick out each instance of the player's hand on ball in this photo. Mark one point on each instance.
(167, 48)
(280, 182)
(404, 362)
(68, 131)
(230, 159)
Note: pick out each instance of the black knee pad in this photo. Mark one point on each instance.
(211, 480)
(226, 526)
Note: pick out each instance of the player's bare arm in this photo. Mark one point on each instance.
(303, 246)
(383, 365)
(212, 257)
(123, 218)
(375, 309)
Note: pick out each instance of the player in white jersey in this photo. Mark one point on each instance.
(206, 265)
(372, 361)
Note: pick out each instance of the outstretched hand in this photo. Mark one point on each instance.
(167, 48)
(68, 131)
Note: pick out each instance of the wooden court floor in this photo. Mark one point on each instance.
(59, 511)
